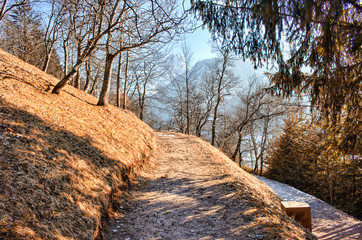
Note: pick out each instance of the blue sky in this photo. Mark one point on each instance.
(199, 41)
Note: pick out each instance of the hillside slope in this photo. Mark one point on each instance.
(195, 192)
(63, 160)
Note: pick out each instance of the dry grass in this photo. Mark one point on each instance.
(63, 160)
(264, 213)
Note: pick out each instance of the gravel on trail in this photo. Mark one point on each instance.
(328, 223)
(191, 193)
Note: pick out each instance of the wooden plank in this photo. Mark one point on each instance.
(300, 211)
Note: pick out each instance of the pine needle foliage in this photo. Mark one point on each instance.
(304, 157)
(324, 36)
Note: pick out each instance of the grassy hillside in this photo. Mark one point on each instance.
(63, 160)
(262, 216)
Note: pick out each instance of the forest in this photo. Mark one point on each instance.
(299, 123)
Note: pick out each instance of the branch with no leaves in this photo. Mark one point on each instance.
(5, 10)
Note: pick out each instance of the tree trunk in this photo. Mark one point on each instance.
(263, 145)
(198, 130)
(124, 104)
(94, 86)
(118, 96)
(104, 95)
(65, 59)
(141, 113)
(213, 129)
(261, 165)
(213, 126)
(240, 159)
(88, 78)
(219, 96)
(47, 61)
(238, 145)
(77, 80)
(67, 78)
(256, 154)
(142, 105)
(187, 106)
(256, 167)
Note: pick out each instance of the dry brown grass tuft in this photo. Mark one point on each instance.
(63, 160)
(267, 221)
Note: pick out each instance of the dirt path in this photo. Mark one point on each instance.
(328, 223)
(175, 201)
(185, 197)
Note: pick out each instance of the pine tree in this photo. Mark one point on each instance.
(303, 157)
(22, 35)
(294, 157)
(323, 35)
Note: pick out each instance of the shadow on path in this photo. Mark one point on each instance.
(184, 208)
(328, 223)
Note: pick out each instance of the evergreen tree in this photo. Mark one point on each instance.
(22, 35)
(323, 35)
(293, 159)
(303, 158)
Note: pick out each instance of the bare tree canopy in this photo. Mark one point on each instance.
(7, 6)
(102, 22)
(22, 34)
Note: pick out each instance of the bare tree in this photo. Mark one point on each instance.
(188, 77)
(175, 96)
(94, 70)
(118, 83)
(182, 91)
(146, 71)
(113, 19)
(260, 132)
(250, 104)
(88, 28)
(255, 117)
(225, 81)
(125, 85)
(145, 23)
(203, 102)
(65, 43)
(7, 6)
(52, 30)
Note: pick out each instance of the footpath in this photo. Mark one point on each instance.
(193, 191)
(328, 223)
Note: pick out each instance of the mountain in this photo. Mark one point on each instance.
(241, 68)
(164, 88)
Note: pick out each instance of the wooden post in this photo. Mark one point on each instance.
(300, 211)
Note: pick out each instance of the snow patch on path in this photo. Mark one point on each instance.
(328, 223)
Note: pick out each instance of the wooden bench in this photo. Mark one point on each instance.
(300, 211)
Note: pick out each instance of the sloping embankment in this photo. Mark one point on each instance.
(63, 160)
(194, 191)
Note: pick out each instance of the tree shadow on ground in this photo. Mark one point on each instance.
(185, 208)
(54, 184)
(340, 232)
(329, 222)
